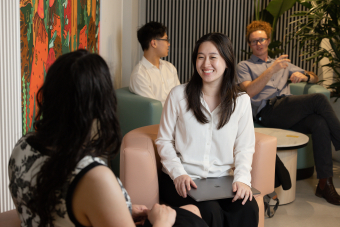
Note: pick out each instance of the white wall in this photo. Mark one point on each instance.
(325, 73)
(10, 93)
(118, 38)
(130, 46)
(111, 22)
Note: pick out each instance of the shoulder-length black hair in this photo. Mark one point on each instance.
(77, 94)
(229, 89)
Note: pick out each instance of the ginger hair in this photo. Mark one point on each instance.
(256, 26)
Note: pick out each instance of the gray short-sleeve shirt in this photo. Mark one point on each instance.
(252, 68)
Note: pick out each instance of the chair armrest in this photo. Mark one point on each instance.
(136, 111)
(138, 168)
(263, 167)
(10, 218)
(306, 88)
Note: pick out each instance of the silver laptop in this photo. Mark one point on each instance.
(214, 188)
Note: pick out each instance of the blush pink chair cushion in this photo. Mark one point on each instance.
(140, 164)
(9, 219)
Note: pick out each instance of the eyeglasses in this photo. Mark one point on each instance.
(254, 42)
(167, 39)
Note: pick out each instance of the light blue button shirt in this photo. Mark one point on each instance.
(252, 68)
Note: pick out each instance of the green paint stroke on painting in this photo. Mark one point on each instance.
(51, 44)
(24, 105)
(28, 109)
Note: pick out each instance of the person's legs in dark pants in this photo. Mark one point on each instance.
(184, 218)
(316, 125)
(212, 212)
(310, 114)
(289, 110)
(237, 214)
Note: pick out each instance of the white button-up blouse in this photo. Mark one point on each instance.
(187, 146)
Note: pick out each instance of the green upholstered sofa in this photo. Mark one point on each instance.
(134, 111)
(305, 160)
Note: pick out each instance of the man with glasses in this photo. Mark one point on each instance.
(265, 80)
(153, 77)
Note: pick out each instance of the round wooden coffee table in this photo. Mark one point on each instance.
(287, 144)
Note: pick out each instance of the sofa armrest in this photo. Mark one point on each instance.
(136, 111)
(138, 168)
(306, 88)
(263, 167)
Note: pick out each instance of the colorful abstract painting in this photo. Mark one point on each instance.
(49, 28)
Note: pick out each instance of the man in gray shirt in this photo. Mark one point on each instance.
(265, 81)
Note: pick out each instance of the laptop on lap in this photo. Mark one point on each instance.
(214, 188)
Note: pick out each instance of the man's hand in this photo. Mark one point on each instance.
(182, 184)
(243, 191)
(280, 63)
(139, 214)
(297, 77)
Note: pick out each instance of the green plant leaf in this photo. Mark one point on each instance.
(278, 7)
(335, 48)
(265, 15)
(274, 44)
(299, 13)
(257, 9)
(306, 3)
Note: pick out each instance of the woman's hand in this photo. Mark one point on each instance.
(139, 214)
(182, 184)
(161, 215)
(243, 191)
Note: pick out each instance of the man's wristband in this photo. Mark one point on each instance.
(308, 76)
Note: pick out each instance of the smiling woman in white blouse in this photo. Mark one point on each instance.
(206, 130)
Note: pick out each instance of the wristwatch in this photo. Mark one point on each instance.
(307, 75)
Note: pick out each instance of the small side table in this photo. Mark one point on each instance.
(287, 144)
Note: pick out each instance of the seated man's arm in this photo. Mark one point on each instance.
(253, 87)
(297, 77)
(141, 85)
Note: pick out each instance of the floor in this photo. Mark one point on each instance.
(307, 209)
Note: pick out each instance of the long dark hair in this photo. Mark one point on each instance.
(77, 94)
(229, 89)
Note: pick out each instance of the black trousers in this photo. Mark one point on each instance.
(216, 213)
(309, 114)
(184, 218)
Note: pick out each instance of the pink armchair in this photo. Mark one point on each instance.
(10, 219)
(139, 166)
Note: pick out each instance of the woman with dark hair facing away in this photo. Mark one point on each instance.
(207, 130)
(56, 175)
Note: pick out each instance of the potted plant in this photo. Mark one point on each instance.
(320, 23)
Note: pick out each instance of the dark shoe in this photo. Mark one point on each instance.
(329, 192)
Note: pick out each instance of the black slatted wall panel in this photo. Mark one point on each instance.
(188, 20)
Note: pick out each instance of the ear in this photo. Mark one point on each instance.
(153, 43)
